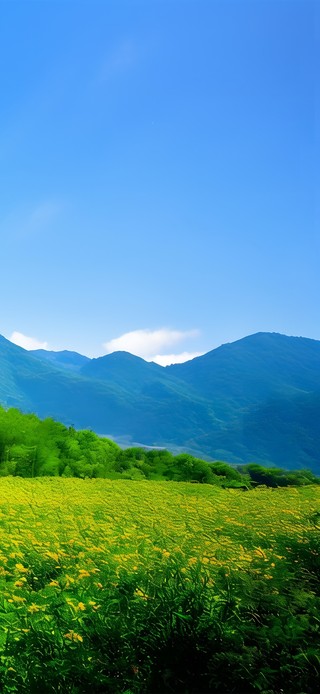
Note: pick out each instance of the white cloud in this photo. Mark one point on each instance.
(167, 359)
(27, 342)
(147, 343)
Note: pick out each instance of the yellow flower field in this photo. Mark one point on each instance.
(71, 530)
(67, 544)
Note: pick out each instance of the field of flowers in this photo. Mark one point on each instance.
(122, 586)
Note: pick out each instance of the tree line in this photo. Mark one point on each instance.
(30, 447)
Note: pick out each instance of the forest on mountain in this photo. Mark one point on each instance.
(257, 399)
(30, 447)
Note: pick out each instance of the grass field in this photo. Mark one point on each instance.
(121, 586)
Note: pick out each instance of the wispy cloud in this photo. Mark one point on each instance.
(41, 217)
(44, 213)
(121, 59)
(33, 221)
(27, 342)
(150, 344)
(147, 344)
(167, 359)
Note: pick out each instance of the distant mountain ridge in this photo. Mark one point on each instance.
(256, 399)
(64, 359)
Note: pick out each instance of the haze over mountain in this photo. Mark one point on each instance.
(65, 358)
(256, 399)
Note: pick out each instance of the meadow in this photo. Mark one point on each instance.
(138, 587)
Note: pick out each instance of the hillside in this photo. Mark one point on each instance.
(254, 368)
(137, 408)
(257, 399)
(265, 389)
(64, 359)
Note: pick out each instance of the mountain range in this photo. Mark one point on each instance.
(256, 399)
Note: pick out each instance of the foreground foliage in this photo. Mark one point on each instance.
(117, 586)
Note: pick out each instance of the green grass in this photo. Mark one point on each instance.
(117, 586)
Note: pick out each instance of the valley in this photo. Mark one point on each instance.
(254, 400)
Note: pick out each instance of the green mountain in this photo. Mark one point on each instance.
(136, 408)
(265, 389)
(64, 359)
(254, 368)
(256, 399)
(124, 369)
(34, 384)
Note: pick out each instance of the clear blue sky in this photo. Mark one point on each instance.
(158, 172)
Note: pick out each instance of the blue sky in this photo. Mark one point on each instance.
(158, 173)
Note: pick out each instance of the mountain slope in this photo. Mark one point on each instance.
(265, 389)
(35, 385)
(254, 399)
(64, 359)
(153, 411)
(123, 368)
(254, 368)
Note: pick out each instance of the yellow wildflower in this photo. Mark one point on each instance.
(53, 555)
(21, 568)
(69, 580)
(73, 636)
(34, 608)
(260, 553)
(140, 594)
(94, 605)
